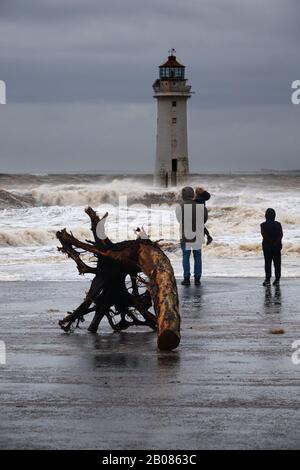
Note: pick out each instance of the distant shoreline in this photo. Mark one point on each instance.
(263, 172)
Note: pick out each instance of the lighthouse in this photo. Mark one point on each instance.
(171, 92)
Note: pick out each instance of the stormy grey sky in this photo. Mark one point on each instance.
(79, 77)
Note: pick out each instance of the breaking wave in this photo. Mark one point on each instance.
(243, 250)
(33, 208)
(36, 237)
(47, 237)
(9, 200)
(79, 195)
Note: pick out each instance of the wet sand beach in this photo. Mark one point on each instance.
(230, 384)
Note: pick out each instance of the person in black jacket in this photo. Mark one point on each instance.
(201, 196)
(272, 234)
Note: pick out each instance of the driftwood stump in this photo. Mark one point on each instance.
(111, 295)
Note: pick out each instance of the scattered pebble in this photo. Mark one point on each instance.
(277, 331)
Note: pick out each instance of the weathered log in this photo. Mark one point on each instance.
(156, 265)
(114, 262)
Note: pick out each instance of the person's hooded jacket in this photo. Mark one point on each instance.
(201, 199)
(271, 231)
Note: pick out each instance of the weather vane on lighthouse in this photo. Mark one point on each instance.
(172, 92)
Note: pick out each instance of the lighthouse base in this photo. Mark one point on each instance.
(169, 180)
(174, 174)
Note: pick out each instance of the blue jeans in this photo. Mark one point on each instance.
(186, 261)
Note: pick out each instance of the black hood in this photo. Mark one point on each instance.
(187, 193)
(270, 214)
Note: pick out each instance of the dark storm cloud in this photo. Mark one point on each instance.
(239, 54)
(72, 50)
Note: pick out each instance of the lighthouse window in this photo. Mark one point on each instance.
(172, 72)
(174, 120)
(164, 72)
(174, 104)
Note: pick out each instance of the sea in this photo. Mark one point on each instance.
(34, 207)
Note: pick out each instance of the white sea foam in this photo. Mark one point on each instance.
(35, 207)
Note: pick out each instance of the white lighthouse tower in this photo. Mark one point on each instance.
(172, 92)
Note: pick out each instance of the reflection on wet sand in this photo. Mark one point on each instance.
(273, 300)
